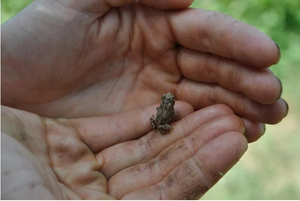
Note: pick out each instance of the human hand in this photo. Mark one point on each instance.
(118, 156)
(77, 58)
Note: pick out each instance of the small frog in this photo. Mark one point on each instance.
(165, 114)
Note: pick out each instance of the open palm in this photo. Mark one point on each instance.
(118, 156)
(84, 58)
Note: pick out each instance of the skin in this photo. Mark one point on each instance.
(77, 159)
(57, 55)
(86, 66)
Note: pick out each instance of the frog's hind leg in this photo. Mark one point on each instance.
(166, 128)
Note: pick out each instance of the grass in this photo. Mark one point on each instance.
(270, 167)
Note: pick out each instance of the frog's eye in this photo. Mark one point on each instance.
(170, 98)
(169, 101)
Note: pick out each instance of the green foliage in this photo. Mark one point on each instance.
(9, 8)
(269, 169)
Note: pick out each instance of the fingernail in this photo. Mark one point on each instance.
(279, 53)
(264, 129)
(281, 88)
(287, 108)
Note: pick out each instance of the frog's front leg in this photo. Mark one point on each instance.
(165, 128)
(152, 121)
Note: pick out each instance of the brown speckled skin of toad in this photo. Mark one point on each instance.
(165, 114)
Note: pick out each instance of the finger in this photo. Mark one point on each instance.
(146, 148)
(154, 171)
(222, 35)
(254, 130)
(202, 95)
(258, 84)
(167, 4)
(102, 132)
(197, 175)
(100, 7)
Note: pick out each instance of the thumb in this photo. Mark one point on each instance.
(167, 4)
(159, 4)
(102, 6)
(101, 132)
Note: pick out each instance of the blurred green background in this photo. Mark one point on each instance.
(271, 167)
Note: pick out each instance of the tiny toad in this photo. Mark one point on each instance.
(165, 114)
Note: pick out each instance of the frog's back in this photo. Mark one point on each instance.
(165, 115)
